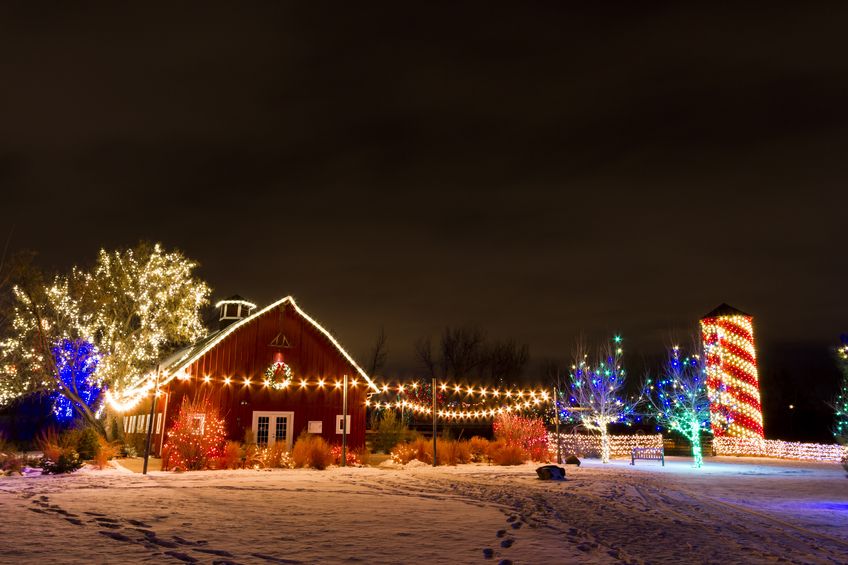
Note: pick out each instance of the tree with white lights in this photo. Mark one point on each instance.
(132, 306)
(595, 393)
(678, 400)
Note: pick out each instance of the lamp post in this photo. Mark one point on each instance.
(434, 421)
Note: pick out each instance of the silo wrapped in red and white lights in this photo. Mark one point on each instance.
(731, 368)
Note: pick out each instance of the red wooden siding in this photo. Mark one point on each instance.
(247, 353)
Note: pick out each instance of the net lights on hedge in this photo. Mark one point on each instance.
(759, 447)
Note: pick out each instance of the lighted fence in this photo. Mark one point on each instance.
(583, 445)
(757, 447)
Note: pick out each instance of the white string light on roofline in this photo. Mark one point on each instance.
(133, 394)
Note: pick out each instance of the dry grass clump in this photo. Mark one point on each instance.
(105, 452)
(230, 456)
(503, 453)
(479, 449)
(312, 451)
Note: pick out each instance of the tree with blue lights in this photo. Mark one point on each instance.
(678, 400)
(595, 393)
(78, 390)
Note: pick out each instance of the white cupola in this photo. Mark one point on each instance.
(233, 309)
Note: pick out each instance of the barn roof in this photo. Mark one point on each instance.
(183, 358)
(724, 309)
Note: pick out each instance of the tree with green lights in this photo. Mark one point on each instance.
(840, 404)
(678, 400)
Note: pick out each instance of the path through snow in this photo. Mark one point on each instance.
(733, 511)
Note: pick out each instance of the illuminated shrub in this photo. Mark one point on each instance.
(351, 457)
(197, 437)
(275, 457)
(528, 434)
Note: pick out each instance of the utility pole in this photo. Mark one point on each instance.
(150, 424)
(344, 423)
(556, 416)
(434, 421)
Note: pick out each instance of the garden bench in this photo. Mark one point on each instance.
(648, 454)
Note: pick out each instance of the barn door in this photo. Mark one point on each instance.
(273, 427)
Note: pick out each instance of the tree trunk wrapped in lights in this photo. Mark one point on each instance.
(594, 397)
(678, 400)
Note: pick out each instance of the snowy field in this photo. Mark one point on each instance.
(735, 510)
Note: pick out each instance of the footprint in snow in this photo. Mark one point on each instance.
(116, 536)
(501, 533)
(218, 552)
(139, 523)
(181, 556)
(507, 543)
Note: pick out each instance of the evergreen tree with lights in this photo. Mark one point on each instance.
(840, 405)
(595, 393)
(678, 400)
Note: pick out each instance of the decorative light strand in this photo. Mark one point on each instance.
(759, 447)
(481, 391)
(132, 395)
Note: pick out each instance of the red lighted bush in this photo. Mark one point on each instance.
(196, 440)
(529, 434)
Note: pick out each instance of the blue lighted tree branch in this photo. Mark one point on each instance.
(77, 384)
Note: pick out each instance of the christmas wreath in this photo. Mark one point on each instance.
(278, 375)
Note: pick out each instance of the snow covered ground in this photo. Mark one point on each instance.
(735, 510)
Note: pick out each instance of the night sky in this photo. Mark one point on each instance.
(538, 170)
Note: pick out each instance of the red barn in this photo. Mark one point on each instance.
(232, 365)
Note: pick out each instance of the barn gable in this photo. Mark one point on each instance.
(229, 367)
(177, 364)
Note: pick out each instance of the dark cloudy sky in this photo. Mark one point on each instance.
(537, 169)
